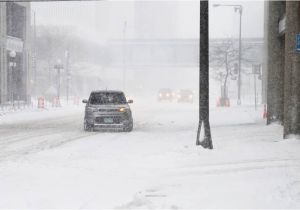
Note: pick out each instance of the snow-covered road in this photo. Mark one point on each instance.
(21, 136)
(47, 161)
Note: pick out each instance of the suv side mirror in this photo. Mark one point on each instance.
(130, 101)
(84, 101)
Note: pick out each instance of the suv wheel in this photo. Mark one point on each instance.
(87, 126)
(129, 127)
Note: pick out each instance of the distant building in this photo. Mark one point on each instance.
(14, 37)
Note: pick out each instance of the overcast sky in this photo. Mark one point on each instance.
(102, 20)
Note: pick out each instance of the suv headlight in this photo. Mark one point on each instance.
(122, 109)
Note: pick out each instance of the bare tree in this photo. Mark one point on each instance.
(223, 58)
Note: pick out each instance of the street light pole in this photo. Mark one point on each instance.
(58, 66)
(34, 55)
(68, 74)
(239, 8)
(240, 56)
(12, 64)
(124, 55)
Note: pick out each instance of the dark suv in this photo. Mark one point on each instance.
(107, 110)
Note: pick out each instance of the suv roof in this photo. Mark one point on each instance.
(107, 91)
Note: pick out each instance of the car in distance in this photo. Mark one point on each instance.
(108, 110)
(165, 94)
(185, 96)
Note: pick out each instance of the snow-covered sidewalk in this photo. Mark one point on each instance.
(158, 166)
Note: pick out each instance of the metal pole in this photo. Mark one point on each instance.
(204, 79)
(34, 54)
(10, 81)
(58, 87)
(240, 57)
(68, 75)
(124, 59)
(255, 102)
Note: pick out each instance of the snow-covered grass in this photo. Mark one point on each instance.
(158, 166)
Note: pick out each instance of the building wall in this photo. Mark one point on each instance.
(275, 61)
(283, 65)
(3, 64)
(15, 22)
(292, 71)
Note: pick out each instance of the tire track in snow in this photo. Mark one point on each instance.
(233, 167)
(33, 136)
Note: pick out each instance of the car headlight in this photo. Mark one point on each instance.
(122, 109)
(167, 94)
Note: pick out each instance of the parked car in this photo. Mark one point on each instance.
(185, 96)
(165, 94)
(108, 110)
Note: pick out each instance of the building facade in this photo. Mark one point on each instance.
(15, 56)
(283, 64)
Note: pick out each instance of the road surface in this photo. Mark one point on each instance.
(48, 161)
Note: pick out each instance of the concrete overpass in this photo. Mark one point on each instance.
(139, 53)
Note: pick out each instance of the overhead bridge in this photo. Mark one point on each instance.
(162, 52)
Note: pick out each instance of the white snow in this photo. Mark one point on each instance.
(48, 161)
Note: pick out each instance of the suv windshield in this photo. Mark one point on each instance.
(107, 98)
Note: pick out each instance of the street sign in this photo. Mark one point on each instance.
(298, 43)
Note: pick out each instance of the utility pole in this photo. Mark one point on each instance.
(240, 9)
(12, 65)
(34, 54)
(124, 55)
(58, 66)
(67, 55)
(255, 98)
(204, 79)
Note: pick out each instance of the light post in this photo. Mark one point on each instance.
(124, 55)
(12, 65)
(256, 71)
(237, 8)
(58, 66)
(68, 74)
